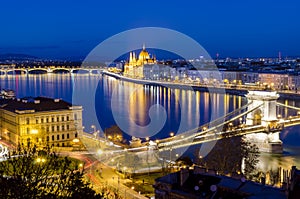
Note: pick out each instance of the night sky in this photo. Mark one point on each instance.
(70, 28)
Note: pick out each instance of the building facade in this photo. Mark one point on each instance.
(135, 67)
(40, 121)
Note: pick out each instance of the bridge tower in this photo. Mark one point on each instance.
(266, 116)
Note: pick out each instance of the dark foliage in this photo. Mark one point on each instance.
(32, 173)
(230, 155)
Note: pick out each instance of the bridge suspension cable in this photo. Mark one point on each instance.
(219, 121)
(209, 132)
(288, 106)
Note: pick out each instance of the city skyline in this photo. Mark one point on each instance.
(72, 29)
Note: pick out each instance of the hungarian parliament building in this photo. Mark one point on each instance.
(144, 67)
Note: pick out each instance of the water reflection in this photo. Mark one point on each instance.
(135, 101)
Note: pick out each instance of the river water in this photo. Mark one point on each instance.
(143, 110)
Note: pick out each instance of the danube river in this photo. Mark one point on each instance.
(143, 110)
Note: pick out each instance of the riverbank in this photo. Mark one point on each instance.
(202, 88)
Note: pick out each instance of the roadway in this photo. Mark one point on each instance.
(104, 178)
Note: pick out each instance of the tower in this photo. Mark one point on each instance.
(265, 115)
(279, 56)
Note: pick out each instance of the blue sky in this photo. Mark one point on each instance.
(69, 28)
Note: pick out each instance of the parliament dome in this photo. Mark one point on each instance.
(144, 55)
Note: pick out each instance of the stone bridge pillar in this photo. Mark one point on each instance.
(266, 116)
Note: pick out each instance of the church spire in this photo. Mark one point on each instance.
(144, 46)
(130, 57)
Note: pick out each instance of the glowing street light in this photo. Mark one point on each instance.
(241, 120)
(100, 152)
(172, 134)
(124, 170)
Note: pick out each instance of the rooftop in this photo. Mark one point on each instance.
(195, 184)
(34, 104)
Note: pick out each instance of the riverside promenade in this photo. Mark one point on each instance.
(240, 90)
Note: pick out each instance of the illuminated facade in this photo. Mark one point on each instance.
(40, 121)
(265, 115)
(137, 65)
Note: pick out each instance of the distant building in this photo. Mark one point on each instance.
(40, 121)
(278, 81)
(249, 77)
(200, 183)
(294, 82)
(136, 66)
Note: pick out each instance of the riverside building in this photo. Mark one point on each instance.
(40, 121)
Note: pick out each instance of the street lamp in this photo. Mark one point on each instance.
(124, 170)
(100, 152)
(172, 134)
(241, 122)
(94, 129)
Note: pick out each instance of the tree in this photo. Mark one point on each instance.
(131, 161)
(250, 154)
(185, 161)
(114, 133)
(32, 173)
(228, 156)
